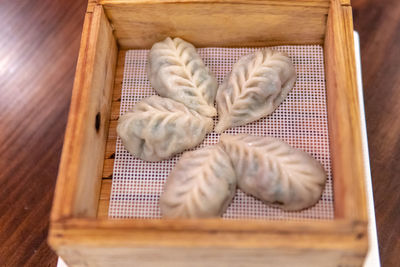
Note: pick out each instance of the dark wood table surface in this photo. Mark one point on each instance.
(39, 43)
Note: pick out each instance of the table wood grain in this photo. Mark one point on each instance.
(39, 43)
(378, 23)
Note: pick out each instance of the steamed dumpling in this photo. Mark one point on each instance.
(275, 172)
(176, 71)
(157, 128)
(257, 85)
(201, 185)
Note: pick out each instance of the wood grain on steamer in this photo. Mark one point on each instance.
(344, 116)
(218, 23)
(81, 165)
(105, 191)
(324, 241)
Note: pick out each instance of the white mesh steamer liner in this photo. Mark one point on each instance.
(301, 120)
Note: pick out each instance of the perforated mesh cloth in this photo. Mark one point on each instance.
(301, 120)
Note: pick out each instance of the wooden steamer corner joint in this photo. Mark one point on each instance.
(80, 231)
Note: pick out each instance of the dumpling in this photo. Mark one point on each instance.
(201, 185)
(176, 71)
(257, 85)
(157, 128)
(275, 172)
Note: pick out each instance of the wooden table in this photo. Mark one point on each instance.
(39, 43)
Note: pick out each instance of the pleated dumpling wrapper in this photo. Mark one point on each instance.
(201, 185)
(158, 128)
(273, 171)
(257, 85)
(176, 71)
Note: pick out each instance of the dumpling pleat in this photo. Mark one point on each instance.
(158, 128)
(176, 71)
(210, 185)
(275, 172)
(255, 83)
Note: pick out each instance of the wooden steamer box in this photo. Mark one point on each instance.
(80, 231)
